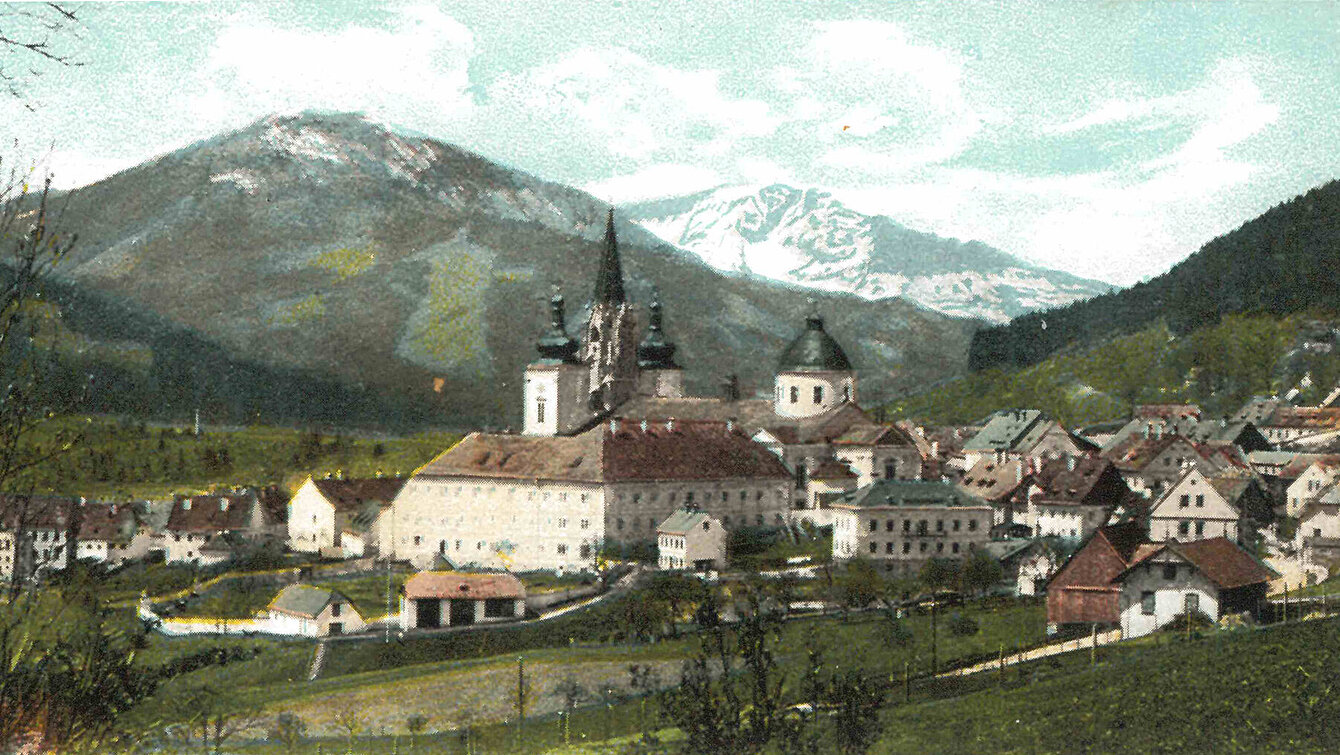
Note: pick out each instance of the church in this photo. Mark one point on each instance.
(611, 446)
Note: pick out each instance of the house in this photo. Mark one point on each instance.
(1309, 484)
(827, 480)
(1318, 533)
(1149, 464)
(339, 517)
(1192, 509)
(1118, 578)
(1026, 564)
(432, 599)
(197, 520)
(35, 533)
(1084, 589)
(1240, 433)
(903, 524)
(1301, 425)
(1214, 577)
(1024, 432)
(310, 611)
(106, 531)
(1071, 497)
(691, 540)
(1001, 481)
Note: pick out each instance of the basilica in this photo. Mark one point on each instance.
(611, 446)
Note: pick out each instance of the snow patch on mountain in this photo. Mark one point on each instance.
(811, 239)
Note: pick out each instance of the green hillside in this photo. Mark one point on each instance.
(1283, 262)
(1218, 367)
(1248, 692)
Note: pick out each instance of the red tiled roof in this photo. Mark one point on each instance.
(350, 495)
(1093, 481)
(440, 584)
(112, 522)
(679, 450)
(1106, 554)
(1221, 560)
(1303, 417)
(994, 481)
(43, 512)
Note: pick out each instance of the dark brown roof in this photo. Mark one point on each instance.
(1136, 452)
(614, 451)
(275, 501)
(1219, 559)
(1092, 481)
(113, 522)
(876, 435)
(1104, 556)
(42, 512)
(1303, 418)
(446, 584)
(350, 495)
(1167, 411)
(832, 469)
(214, 512)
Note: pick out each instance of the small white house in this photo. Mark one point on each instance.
(1309, 485)
(310, 611)
(1214, 577)
(1192, 509)
(691, 540)
(337, 517)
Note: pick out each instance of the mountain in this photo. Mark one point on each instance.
(406, 276)
(811, 239)
(1285, 261)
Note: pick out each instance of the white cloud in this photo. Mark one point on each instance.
(613, 103)
(654, 182)
(417, 66)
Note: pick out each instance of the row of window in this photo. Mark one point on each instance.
(817, 392)
(479, 546)
(1190, 602)
(1185, 501)
(923, 526)
(923, 547)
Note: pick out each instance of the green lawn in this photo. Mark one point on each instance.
(368, 592)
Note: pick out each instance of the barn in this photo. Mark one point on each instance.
(434, 599)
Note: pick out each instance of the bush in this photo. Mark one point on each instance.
(900, 633)
(962, 626)
(1199, 621)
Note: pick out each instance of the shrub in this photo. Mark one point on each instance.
(962, 626)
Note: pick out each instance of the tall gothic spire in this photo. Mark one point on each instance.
(609, 281)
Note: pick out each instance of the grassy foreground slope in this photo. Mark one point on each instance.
(1250, 692)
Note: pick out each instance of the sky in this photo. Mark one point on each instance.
(1107, 139)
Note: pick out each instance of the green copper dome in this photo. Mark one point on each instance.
(656, 352)
(814, 351)
(556, 346)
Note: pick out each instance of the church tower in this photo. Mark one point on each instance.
(556, 390)
(814, 375)
(610, 351)
(657, 373)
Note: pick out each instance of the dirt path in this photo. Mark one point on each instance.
(1069, 646)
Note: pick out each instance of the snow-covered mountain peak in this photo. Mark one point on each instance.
(808, 237)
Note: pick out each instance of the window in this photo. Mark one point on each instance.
(888, 525)
(939, 525)
(1200, 528)
(890, 470)
(874, 525)
(688, 497)
(618, 524)
(939, 547)
(818, 394)
(1184, 527)
(922, 526)
(907, 526)
(1184, 501)
(586, 524)
(888, 548)
(539, 410)
(417, 539)
(923, 547)
(874, 547)
(562, 549)
(562, 523)
(907, 547)
(1191, 603)
(955, 547)
(846, 393)
(1147, 603)
(972, 525)
(1170, 571)
(1200, 501)
(957, 523)
(335, 610)
(795, 394)
(586, 551)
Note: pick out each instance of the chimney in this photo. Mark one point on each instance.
(223, 504)
(935, 448)
(644, 426)
(1019, 472)
(730, 424)
(614, 426)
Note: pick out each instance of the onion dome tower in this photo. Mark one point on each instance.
(556, 384)
(814, 375)
(658, 374)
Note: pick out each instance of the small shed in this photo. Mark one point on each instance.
(691, 540)
(313, 612)
(433, 599)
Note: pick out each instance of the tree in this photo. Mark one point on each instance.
(858, 697)
(289, 730)
(939, 574)
(37, 33)
(981, 572)
(416, 724)
(217, 715)
(349, 718)
(860, 584)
